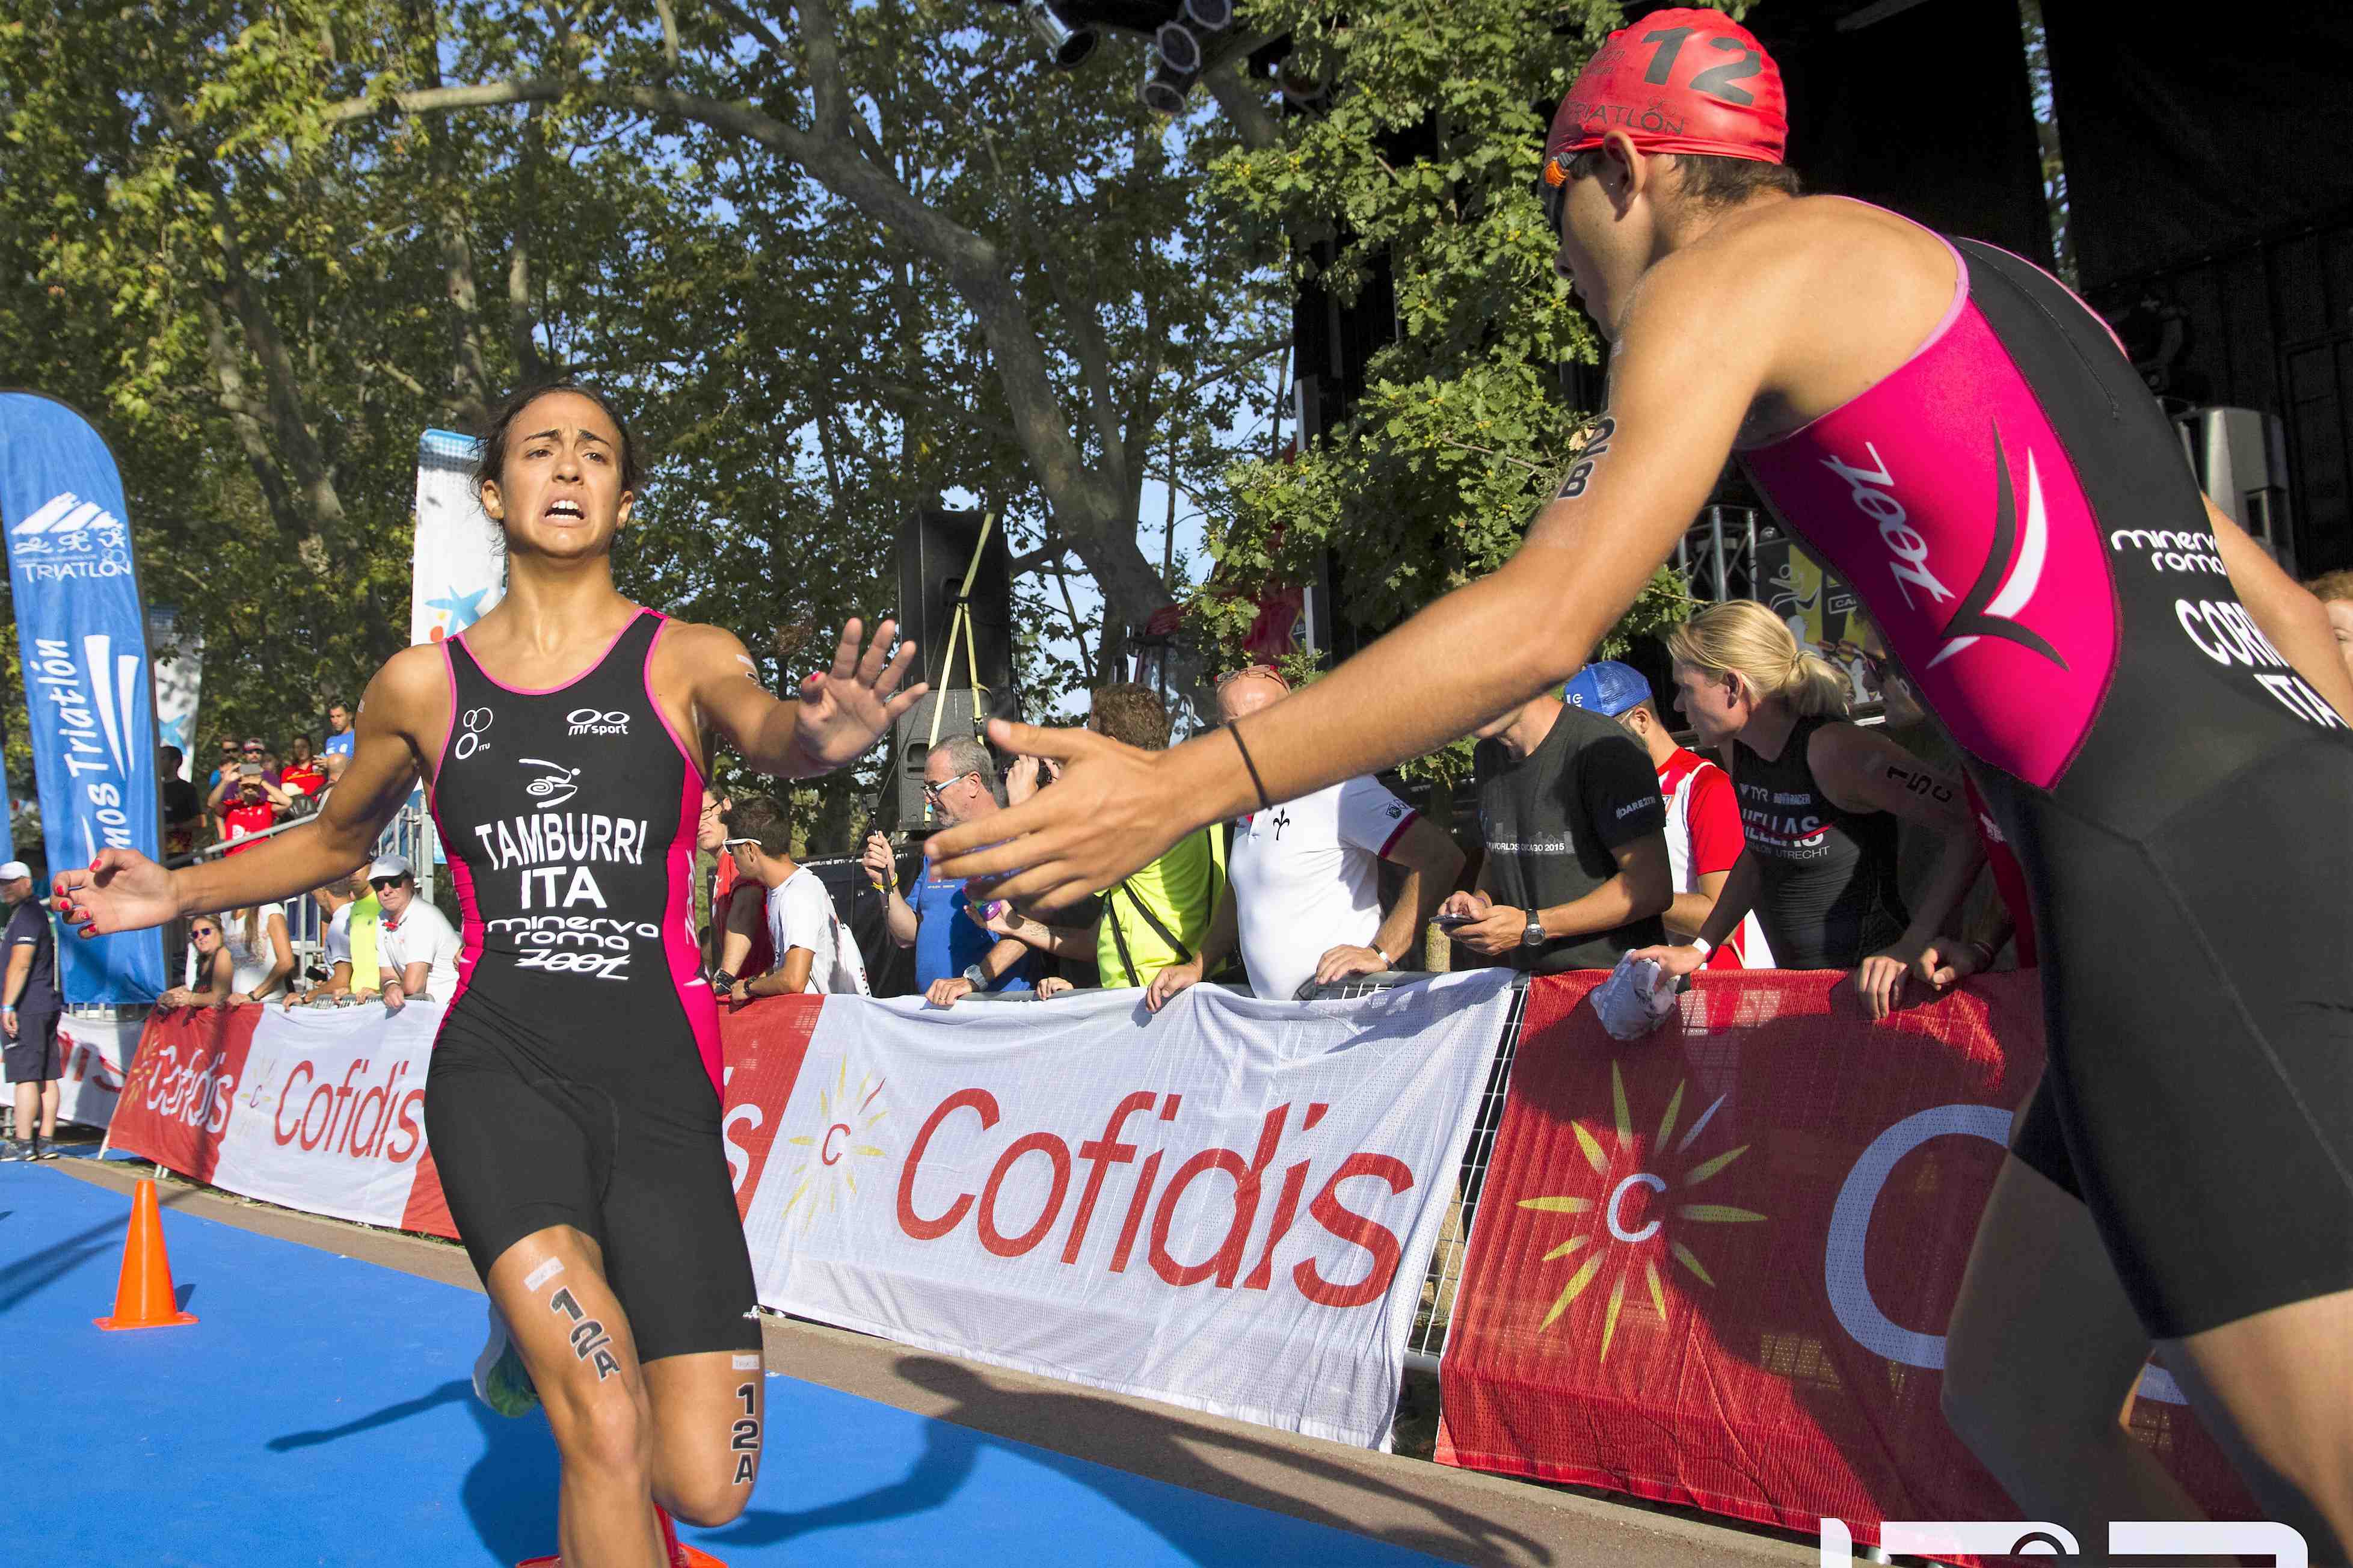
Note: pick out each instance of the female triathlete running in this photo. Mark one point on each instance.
(573, 1108)
(2152, 710)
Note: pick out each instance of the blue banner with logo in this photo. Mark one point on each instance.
(89, 699)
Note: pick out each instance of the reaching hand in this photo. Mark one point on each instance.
(1115, 810)
(1168, 982)
(1949, 961)
(123, 890)
(1344, 961)
(1678, 958)
(1880, 977)
(881, 866)
(844, 708)
(948, 992)
(1498, 931)
(1465, 906)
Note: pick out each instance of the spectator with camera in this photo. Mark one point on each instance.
(303, 777)
(246, 801)
(1303, 895)
(812, 953)
(955, 956)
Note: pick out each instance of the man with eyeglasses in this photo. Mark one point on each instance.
(954, 956)
(416, 947)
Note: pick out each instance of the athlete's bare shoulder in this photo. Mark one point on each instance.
(411, 694)
(1846, 292)
(695, 651)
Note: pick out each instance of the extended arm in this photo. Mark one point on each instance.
(789, 978)
(124, 890)
(1433, 861)
(1689, 913)
(837, 715)
(1692, 357)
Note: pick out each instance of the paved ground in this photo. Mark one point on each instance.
(350, 1346)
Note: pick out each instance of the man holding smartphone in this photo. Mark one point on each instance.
(1577, 870)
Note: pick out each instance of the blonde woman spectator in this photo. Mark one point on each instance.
(2335, 592)
(1819, 798)
(261, 957)
(209, 962)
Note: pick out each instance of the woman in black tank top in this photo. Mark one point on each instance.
(1819, 802)
(572, 1108)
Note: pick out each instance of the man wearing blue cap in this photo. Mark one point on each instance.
(1703, 833)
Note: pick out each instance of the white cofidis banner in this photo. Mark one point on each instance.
(318, 1109)
(1228, 1205)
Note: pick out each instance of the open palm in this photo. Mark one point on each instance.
(845, 708)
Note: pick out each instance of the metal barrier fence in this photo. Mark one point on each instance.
(1444, 1274)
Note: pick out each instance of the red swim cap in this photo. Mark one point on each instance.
(1675, 81)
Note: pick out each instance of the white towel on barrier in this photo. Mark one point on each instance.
(1636, 998)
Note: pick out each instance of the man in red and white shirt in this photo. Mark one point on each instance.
(1703, 833)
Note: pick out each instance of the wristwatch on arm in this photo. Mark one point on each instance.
(975, 977)
(1534, 933)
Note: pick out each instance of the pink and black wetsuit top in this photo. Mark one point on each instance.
(2017, 513)
(576, 1077)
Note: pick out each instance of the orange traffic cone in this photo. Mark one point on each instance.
(143, 1296)
(681, 1555)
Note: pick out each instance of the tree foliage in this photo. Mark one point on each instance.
(837, 260)
(1422, 160)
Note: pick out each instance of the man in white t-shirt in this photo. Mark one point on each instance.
(1302, 891)
(416, 947)
(804, 933)
(1703, 833)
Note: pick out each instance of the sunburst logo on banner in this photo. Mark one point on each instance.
(845, 1114)
(1606, 1240)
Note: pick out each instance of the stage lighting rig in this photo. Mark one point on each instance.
(1164, 89)
(1067, 45)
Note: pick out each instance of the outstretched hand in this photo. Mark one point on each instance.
(121, 890)
(845, 708)
(1116, 809)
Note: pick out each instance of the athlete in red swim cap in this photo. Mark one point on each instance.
(2154, 713)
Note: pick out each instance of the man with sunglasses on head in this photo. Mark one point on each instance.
(416, 947)
(954, 956)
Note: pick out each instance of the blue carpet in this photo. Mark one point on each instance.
(319, 1413)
